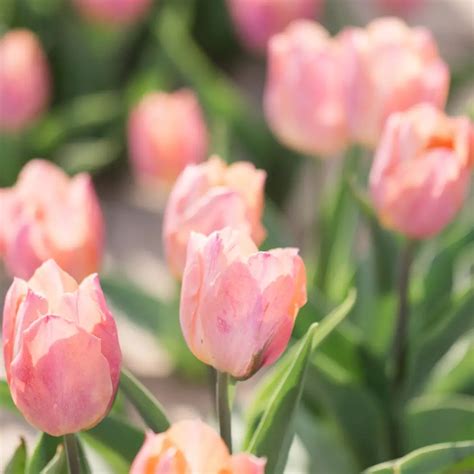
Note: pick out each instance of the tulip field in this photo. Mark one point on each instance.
(237, 236)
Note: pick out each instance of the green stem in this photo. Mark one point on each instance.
(223, 408)
(400, 343)
(72, 454)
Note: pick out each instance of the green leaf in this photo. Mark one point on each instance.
(454, 417)
(274, 432)
(149, 408)
(439, 340)
(453, 372)
(6, 401)
(326, 451)
(44, 451)
(119, 436)
(438, 278)
(446, 458)
(356, 412)
(17, 463)
(58, 464)
(338, 226)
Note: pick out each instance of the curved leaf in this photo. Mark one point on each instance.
(454, 417)
(44, 452)
(275, 430)
(119, 436)
(445, 458)
(149, 408)
(17, 463)
(58, 464)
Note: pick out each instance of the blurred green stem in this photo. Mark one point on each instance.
(223, 408)
(72, 454)
(400, 344)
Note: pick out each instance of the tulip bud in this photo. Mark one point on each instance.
(304, 93)
(113, 12)
(389, 67)
(238, 305)
(192, 447)
(24, 80)
(49, 215)
(61, 351)
(166, 132)
(209, 197)
(256, 21)
(421, 172)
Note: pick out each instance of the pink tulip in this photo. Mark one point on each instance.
(400, 7)
(24, 80)
(49, 215)
(166, 132)
(304, 93)
(238, 305)
(389, 67)
(257, 21)
(421, 172)
(113, 11)
(61, 351)
(191, 447)
(209, 197)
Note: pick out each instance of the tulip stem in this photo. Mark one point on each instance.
(72, 454)
(400, 344)
(223, 408)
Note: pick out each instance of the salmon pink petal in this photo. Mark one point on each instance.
(247, 464)
(55, 386)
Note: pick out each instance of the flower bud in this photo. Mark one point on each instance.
(304, 93)
(209, 197)
(49, 215)
(238, 305)
(166, 132)
(113, 12)
(389, 67)
(61, 351)
(256, 21)
(420, 176)
(192, 447)
(24, 80)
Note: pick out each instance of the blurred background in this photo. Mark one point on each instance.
(100, 70)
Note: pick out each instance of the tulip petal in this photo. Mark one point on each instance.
(59, 379)
(247, 464)
(51, 282)
(204, 449)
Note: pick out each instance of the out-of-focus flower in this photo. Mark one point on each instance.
(61, 351)
(399, 7)
(209, 197)
(256, 21)
(113, 11)
(49, 215)
(166, 132)
(304, 93)
(191, 447)
(24, 80)
(388, 68)
(238, 305)
(421, 172)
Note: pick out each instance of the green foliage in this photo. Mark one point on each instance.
(447, 458)
(149, 408)
(272, 435)
(44, 452)
(17, 464)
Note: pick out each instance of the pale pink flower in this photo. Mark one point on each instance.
(421, 171)
(61, 351)
(238, 305)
